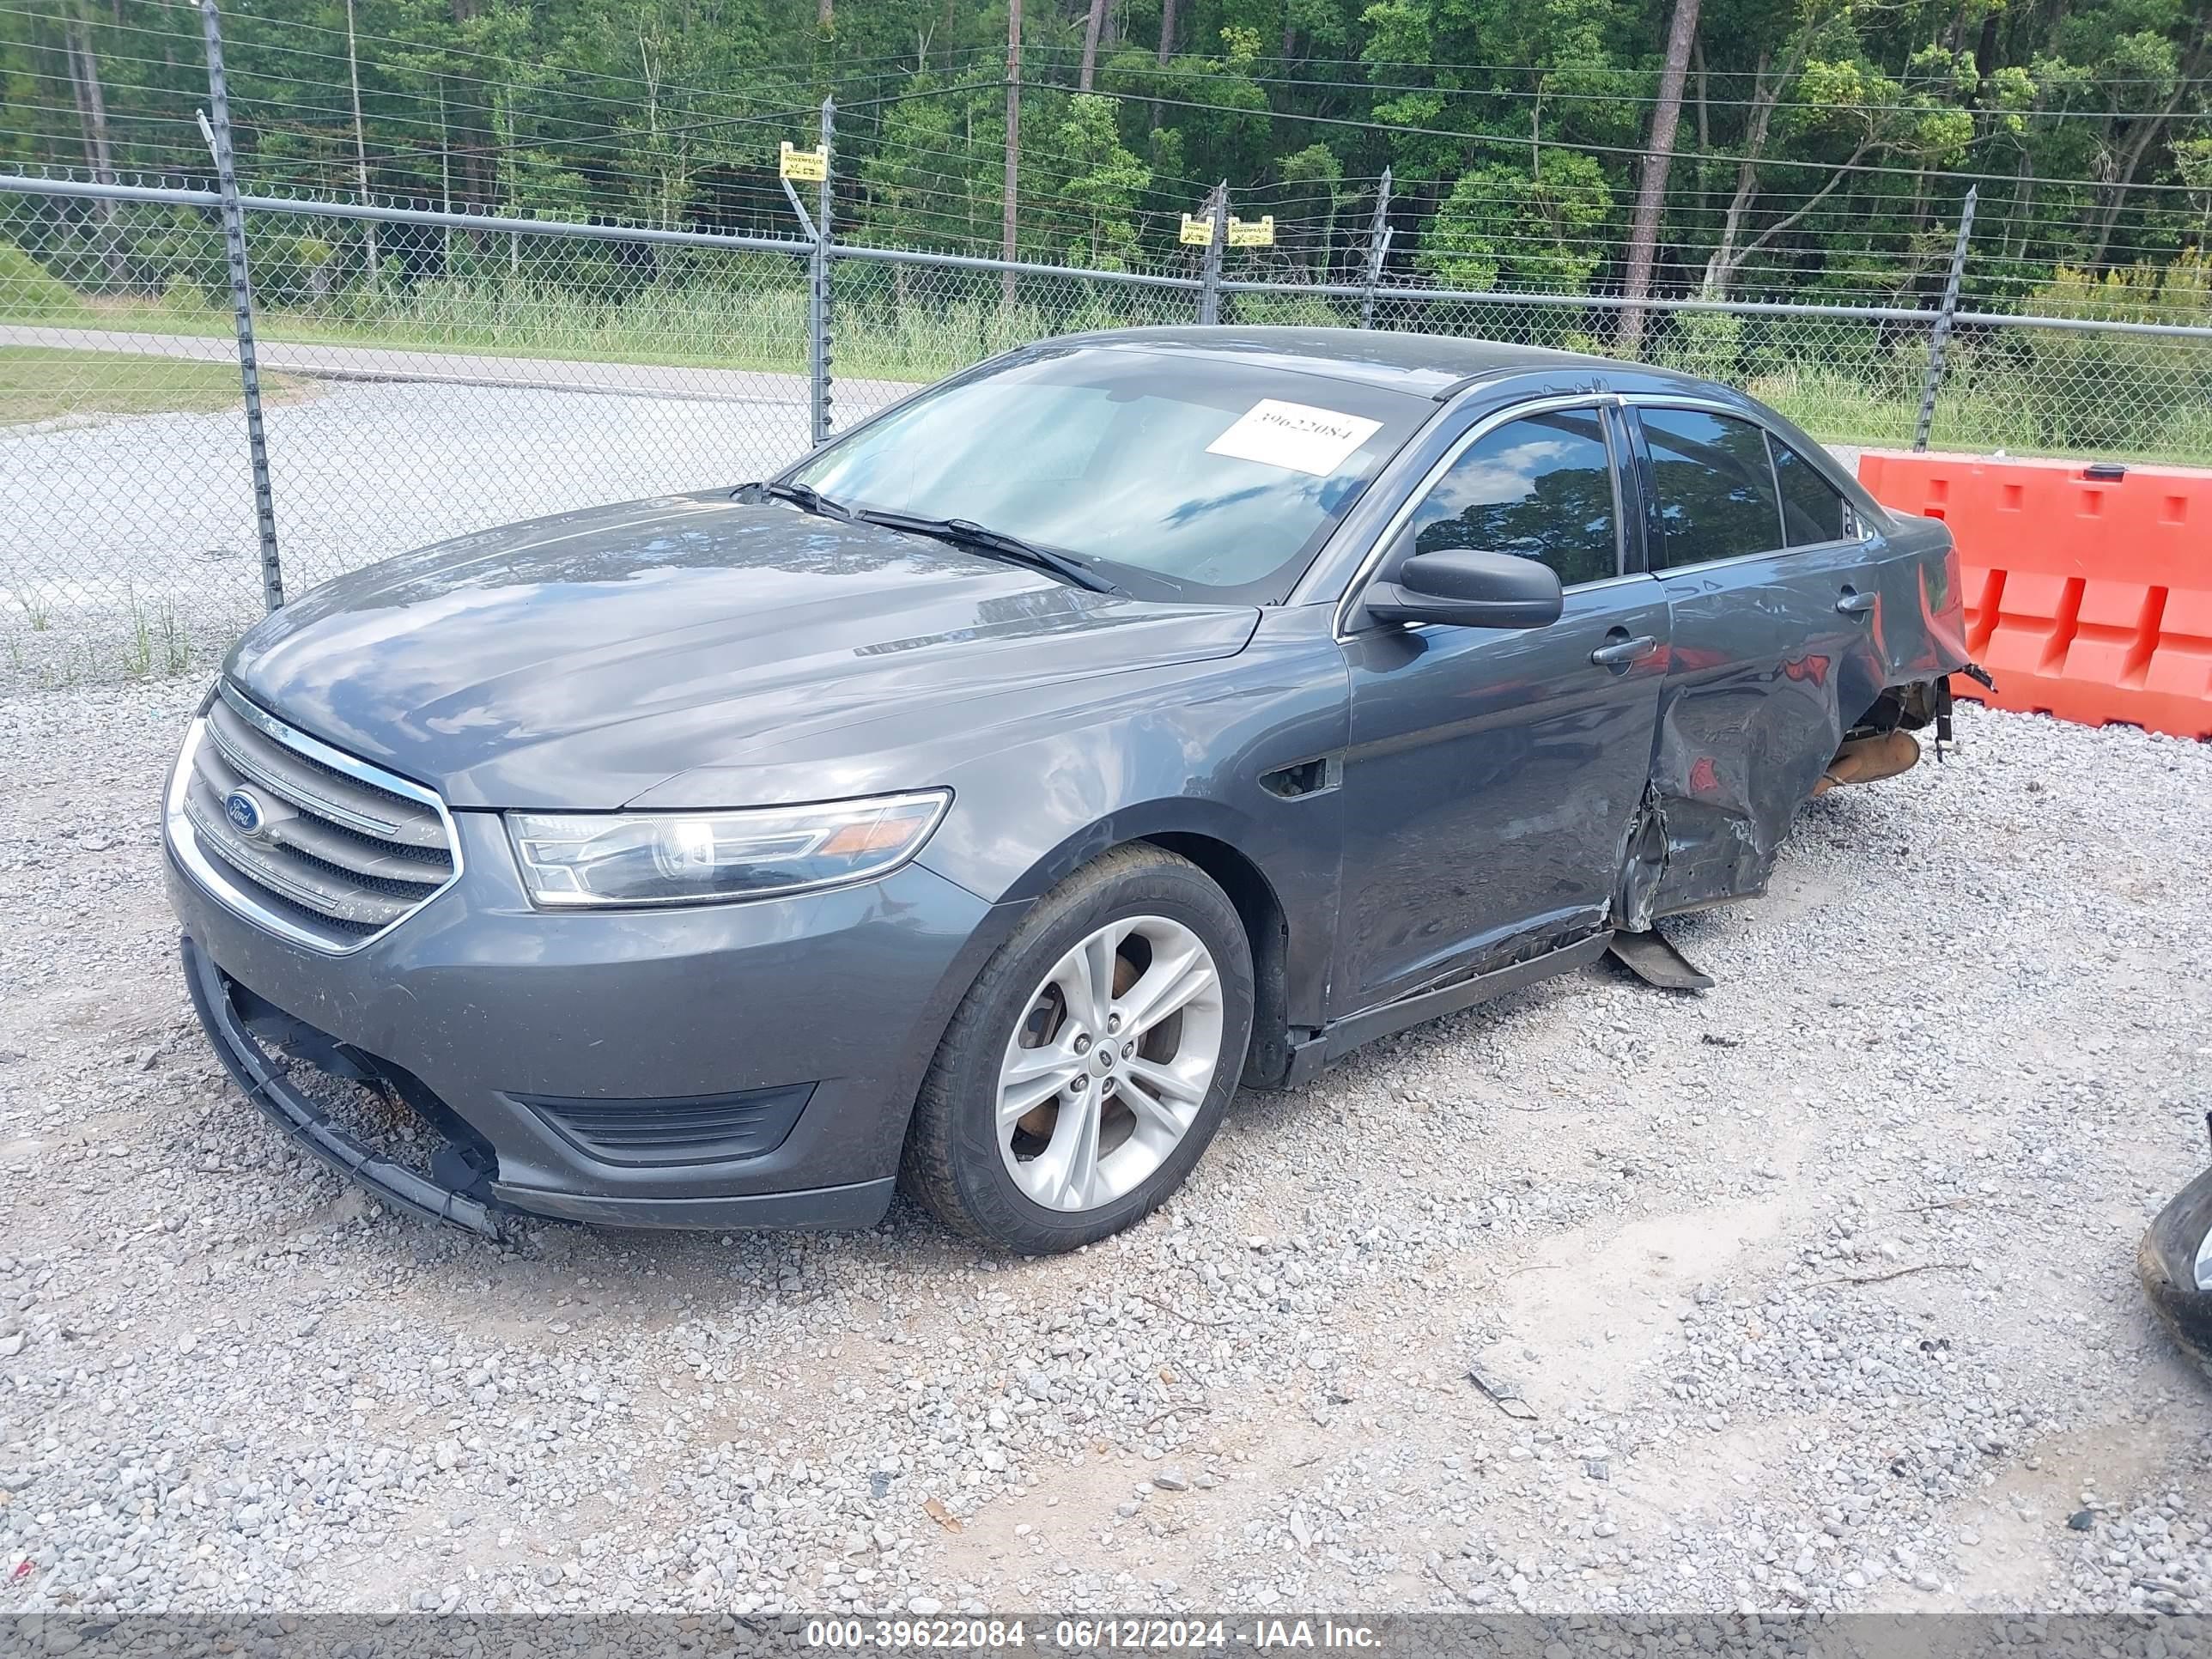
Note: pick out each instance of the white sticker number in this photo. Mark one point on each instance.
(1297, 436)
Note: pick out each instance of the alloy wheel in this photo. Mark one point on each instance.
(1106, 1070)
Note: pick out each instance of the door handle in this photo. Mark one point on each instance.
(1619, 654)
(1854, 604)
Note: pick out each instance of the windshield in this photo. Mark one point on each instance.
(1177, 478)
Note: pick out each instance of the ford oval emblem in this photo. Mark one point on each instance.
(244, 812)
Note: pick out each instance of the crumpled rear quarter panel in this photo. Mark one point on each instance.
(1765, 675)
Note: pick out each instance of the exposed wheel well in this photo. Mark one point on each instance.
(1267, 929)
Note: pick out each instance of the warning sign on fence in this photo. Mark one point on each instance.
(807, 166)
(1255, 233)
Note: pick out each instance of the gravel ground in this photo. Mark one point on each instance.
(1818, 1286)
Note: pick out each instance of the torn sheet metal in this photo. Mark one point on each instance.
(1653, 958)
(1731, 772)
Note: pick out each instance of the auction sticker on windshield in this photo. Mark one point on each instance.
(1297, 436)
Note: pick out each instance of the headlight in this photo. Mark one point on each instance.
(693, 858)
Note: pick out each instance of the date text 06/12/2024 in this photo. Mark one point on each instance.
(1088, 1635)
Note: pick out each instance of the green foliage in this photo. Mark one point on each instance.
(1533, 113)
(1822, 153)
(1294, 311)
(1704, 342)
(1102, 185)
(1502, 227)
(28, 294)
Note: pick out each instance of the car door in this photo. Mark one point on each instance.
(1493, 775)
(1771, 607)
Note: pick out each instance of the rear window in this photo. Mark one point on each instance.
(1175, 475)
(1813, 511)
(1714, 485)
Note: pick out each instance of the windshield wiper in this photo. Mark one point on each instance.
(997, 543)
(806, 497)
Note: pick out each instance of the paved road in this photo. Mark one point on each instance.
(141, 528)
(356, 363)
(110, 528)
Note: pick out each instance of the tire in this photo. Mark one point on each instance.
(1016, 1178)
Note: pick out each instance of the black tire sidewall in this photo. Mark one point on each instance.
(1166, 886)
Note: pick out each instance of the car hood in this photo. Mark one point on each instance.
(577, 661)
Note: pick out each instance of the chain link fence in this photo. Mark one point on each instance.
(425, 374)
(903, 319)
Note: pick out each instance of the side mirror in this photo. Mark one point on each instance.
(1462, 587)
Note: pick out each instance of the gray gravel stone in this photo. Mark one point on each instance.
(231, 1383)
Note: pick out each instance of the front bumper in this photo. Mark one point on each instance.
(494, 1007)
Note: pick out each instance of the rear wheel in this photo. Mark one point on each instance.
(1090, 1062)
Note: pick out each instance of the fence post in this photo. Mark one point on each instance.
(1209, 292)
(1940, 335)
(1378, 244)
(241, 303)
(817, 311)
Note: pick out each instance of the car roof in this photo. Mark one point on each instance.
(1426, 364)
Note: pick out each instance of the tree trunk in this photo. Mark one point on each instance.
(1704, 100)
(1167, 49)
(1651, 190)
(1721, 269)
(99, 156)
(477, 189)
(1722, 266)
(825, 16)
(1090, 28)
(1008, 240)
(1985, 47)
(361, 150)
(2146, 133)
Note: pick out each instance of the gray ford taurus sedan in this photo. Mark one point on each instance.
(974, 806)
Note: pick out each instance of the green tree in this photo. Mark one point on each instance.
(1503, 226)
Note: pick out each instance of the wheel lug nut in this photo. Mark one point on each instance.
(1113, 1022)
(1082, 1045)
(1128, 1049)
(1080, 1084)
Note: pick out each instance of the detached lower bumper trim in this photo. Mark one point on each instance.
(853, 1208)
(298, 1117)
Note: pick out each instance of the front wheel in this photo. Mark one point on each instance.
(1090, 1062)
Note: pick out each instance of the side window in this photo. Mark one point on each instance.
(1811, 510)
(1540, 487)
(1715, 488)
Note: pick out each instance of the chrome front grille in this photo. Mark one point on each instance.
(311, 843)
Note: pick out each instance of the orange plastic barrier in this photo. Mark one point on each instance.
(2088, 598)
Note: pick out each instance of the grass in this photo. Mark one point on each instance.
(160, 647)
(39, 383)
(2025, 394)
(877, 334)
(2155, 422)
